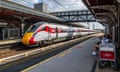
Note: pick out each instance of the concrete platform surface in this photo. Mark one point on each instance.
(76, 59)
(105, 70)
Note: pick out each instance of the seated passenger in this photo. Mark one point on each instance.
(105, 39)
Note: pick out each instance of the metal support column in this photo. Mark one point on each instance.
(116, 33)
(22, 19)
(118, 16)
(22, 26)
(113, 34)
(107, 29)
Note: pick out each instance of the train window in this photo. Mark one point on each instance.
(64, 30)
(33, 28)
(59, 30)
(56, 30)
(53, 30)
(44, 28)
(39, 23)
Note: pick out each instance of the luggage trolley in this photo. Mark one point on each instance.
(107, 54)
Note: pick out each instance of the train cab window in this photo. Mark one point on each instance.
(33, 28)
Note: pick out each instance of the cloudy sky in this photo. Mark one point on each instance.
(55, 5)
(61, 5)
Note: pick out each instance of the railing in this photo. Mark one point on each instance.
(13, 33)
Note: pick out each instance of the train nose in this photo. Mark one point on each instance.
(27, 38)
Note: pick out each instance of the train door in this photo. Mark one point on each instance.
(56, 32)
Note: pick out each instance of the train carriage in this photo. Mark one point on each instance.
(43, 32)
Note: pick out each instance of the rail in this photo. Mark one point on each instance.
(41, 50)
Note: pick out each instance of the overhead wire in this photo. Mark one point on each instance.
(26, 1)
(60, 4)
(42, 1)
(21, 1)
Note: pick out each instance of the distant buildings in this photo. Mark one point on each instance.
(42, 7)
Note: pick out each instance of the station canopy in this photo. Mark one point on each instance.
(10, 11)
(13, 12)
(105, 11)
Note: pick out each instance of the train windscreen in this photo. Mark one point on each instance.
(34, 27)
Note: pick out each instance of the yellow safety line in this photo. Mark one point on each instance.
(65, 53)
(46, 60)
(62, 54)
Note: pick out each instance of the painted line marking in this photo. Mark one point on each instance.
(38, 64)
(46, 60)
(62, 54)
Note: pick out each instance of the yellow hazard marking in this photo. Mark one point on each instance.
(43, 49)
(64, 53)
(26, 54)
(46, 60)
(26, 38)
(1, 61)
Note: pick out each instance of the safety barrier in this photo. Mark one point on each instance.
(13, 33)
(9, 33)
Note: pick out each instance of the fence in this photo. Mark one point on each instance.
(13, 33)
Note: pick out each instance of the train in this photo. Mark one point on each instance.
(43, 32)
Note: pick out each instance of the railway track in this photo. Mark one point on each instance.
(20, 56)
(18, 49)
(13, 49)
(10, 50)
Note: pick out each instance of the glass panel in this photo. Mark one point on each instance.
(35, 26)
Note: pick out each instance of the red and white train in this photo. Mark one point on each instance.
(42, 32)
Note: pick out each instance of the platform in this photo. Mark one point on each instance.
(76, 59)
(4, 42)
(108, 69)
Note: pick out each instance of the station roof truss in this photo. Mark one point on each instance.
(75, 16)
(105, 11)
(15, 12)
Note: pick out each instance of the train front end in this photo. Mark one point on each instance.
(28, 39)
(29, 36)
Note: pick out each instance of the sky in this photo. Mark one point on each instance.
(61, 5)
(53, 5)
